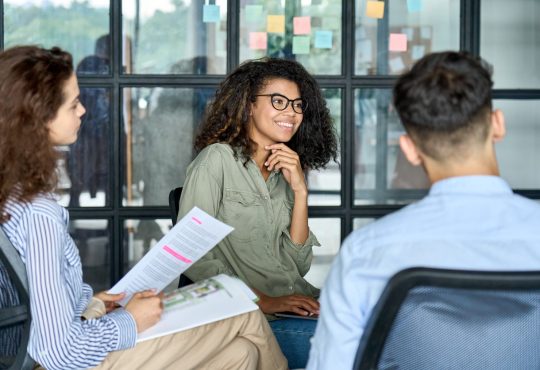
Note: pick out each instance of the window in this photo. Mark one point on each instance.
(147, 70)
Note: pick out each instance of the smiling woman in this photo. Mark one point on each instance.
(267, 126)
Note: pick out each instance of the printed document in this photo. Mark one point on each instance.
(191, 238)
(207, 301)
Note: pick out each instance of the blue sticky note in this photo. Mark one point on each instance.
(323, 39)
(210, 14)
(414, 5)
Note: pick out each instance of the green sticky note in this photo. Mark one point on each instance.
(254, 13)
(300, 44)
(331, 23)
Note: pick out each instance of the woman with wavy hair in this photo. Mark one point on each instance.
(267, 125)
(71, 328)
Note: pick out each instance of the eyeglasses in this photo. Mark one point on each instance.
(280, 102)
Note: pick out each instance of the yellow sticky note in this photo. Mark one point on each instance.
(275, 23)
(375, 9)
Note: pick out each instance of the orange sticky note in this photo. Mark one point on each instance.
(258, 40)
(398, 42)
(275, 23)
(375, 9)
(302, 25)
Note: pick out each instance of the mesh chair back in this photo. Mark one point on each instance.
(455, 320)
(14, 309)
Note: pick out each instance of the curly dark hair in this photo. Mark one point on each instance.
(32, 80)
(227, 118)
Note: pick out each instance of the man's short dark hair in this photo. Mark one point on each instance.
(444, 102)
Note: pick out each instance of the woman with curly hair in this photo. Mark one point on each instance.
(267, 125)
(71, 328)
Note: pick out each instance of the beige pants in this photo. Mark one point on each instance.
(241, 342)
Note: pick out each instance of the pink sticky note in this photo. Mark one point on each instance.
(258, 40)
(375, 9)
(398, 42)
(302, 25)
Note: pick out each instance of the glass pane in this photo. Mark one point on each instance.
(85, 172)
(93, 240)
(328, 232)
(174, 37)
(139, 237)
(509, 41)
(361, 222)
(159, 124)
(308, 31)
(382, 174)
(82, 28)
(519, 151)
(405, 32)
(325, 185)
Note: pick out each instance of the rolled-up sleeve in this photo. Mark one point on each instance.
(302, 254)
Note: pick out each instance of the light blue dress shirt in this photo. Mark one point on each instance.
(472, 223)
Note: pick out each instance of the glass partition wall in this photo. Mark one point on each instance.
(148, 69)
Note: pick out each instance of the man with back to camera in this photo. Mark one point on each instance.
(469, 220)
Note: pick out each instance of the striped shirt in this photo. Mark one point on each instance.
(59, 339)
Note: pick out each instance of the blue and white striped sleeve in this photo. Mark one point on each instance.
(60, 339)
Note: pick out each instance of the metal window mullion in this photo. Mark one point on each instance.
(469, 39)
(116, 103)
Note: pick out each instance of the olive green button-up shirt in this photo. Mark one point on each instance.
(259, 250)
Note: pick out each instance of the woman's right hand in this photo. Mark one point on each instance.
(146, 308)
(299, 304)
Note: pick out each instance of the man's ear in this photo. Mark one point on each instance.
(498, 126)
(409, 150)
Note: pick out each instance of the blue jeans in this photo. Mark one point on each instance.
(293, 336)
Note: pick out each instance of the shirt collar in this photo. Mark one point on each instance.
(471, 185)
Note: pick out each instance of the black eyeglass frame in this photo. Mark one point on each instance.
(289, 101)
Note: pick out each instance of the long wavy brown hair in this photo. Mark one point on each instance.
(227, 118)
(32, 80)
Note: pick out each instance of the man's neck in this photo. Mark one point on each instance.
(473, 167)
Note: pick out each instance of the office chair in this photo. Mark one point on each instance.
(174, 204)
(448, 319)
(14, 320)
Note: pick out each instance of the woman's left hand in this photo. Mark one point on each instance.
(284, 159)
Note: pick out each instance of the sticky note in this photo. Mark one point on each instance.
(396, 64)
(300, 44)
(254, 13)
(275, 23)
(323, 39)
(409, 31)
(414, 6)
(331, 23)
(302, 25)
(363, 48)
(211, 14)
(398, 42)
(258, 40)
(418, 51)
(375, 9)
(425, 32)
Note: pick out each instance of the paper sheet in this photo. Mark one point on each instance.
(210, 300)
(191, 238)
